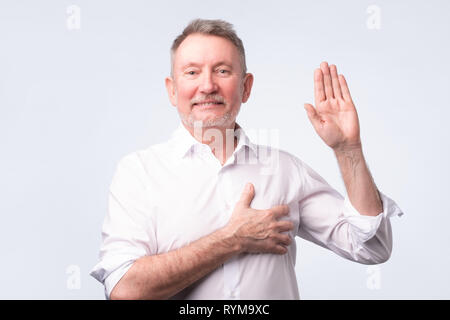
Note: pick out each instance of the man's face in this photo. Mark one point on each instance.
(208, 84)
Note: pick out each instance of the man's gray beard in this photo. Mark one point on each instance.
(222, 121)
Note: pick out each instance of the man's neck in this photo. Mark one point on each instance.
(221, 140)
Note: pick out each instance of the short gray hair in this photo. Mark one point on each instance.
(218, 28)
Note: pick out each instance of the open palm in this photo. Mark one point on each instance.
(335, 118)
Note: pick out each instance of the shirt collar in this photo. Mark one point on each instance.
(183, 141)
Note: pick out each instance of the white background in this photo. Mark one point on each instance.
(74, 101)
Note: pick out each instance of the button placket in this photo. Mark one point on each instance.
(231, 267)
(224, 184)
(231, 278)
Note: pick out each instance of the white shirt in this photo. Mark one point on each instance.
(170, 194)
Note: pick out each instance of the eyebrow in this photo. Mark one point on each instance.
(193, 64)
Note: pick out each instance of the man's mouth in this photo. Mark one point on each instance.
(207, 103)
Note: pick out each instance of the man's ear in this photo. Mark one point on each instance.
(248, 83)
(171, 91)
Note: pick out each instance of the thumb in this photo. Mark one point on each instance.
(247, 195)
(312, 115)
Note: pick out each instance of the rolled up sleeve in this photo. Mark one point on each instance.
(126, 232)
(330, 220)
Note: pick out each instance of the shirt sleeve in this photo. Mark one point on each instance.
(330, 220)
(126, 232)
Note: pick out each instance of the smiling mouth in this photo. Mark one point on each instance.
(209, 103)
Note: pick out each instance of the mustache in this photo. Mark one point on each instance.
(212, 97)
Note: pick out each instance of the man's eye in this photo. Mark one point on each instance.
(191, 73)
(223, 71)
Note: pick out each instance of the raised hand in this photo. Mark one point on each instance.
(334, 118)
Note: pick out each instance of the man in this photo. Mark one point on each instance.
(181, 226)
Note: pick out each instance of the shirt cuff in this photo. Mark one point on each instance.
(365, 227)
(114, 277)
(110, 270)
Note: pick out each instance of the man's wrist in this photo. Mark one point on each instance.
(226, 238)
(350, 150)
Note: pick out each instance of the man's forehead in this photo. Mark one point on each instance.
(189, 63)
(198, 49)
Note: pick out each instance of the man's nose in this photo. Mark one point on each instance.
(208, 83)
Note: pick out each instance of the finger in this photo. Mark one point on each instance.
(283, 239)
(335, 82)
(280, 211)
(284, 225)
(344, 87)
(313, 115)
(280, 249)
(247, 195)
(319, 90)
(327, 80)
